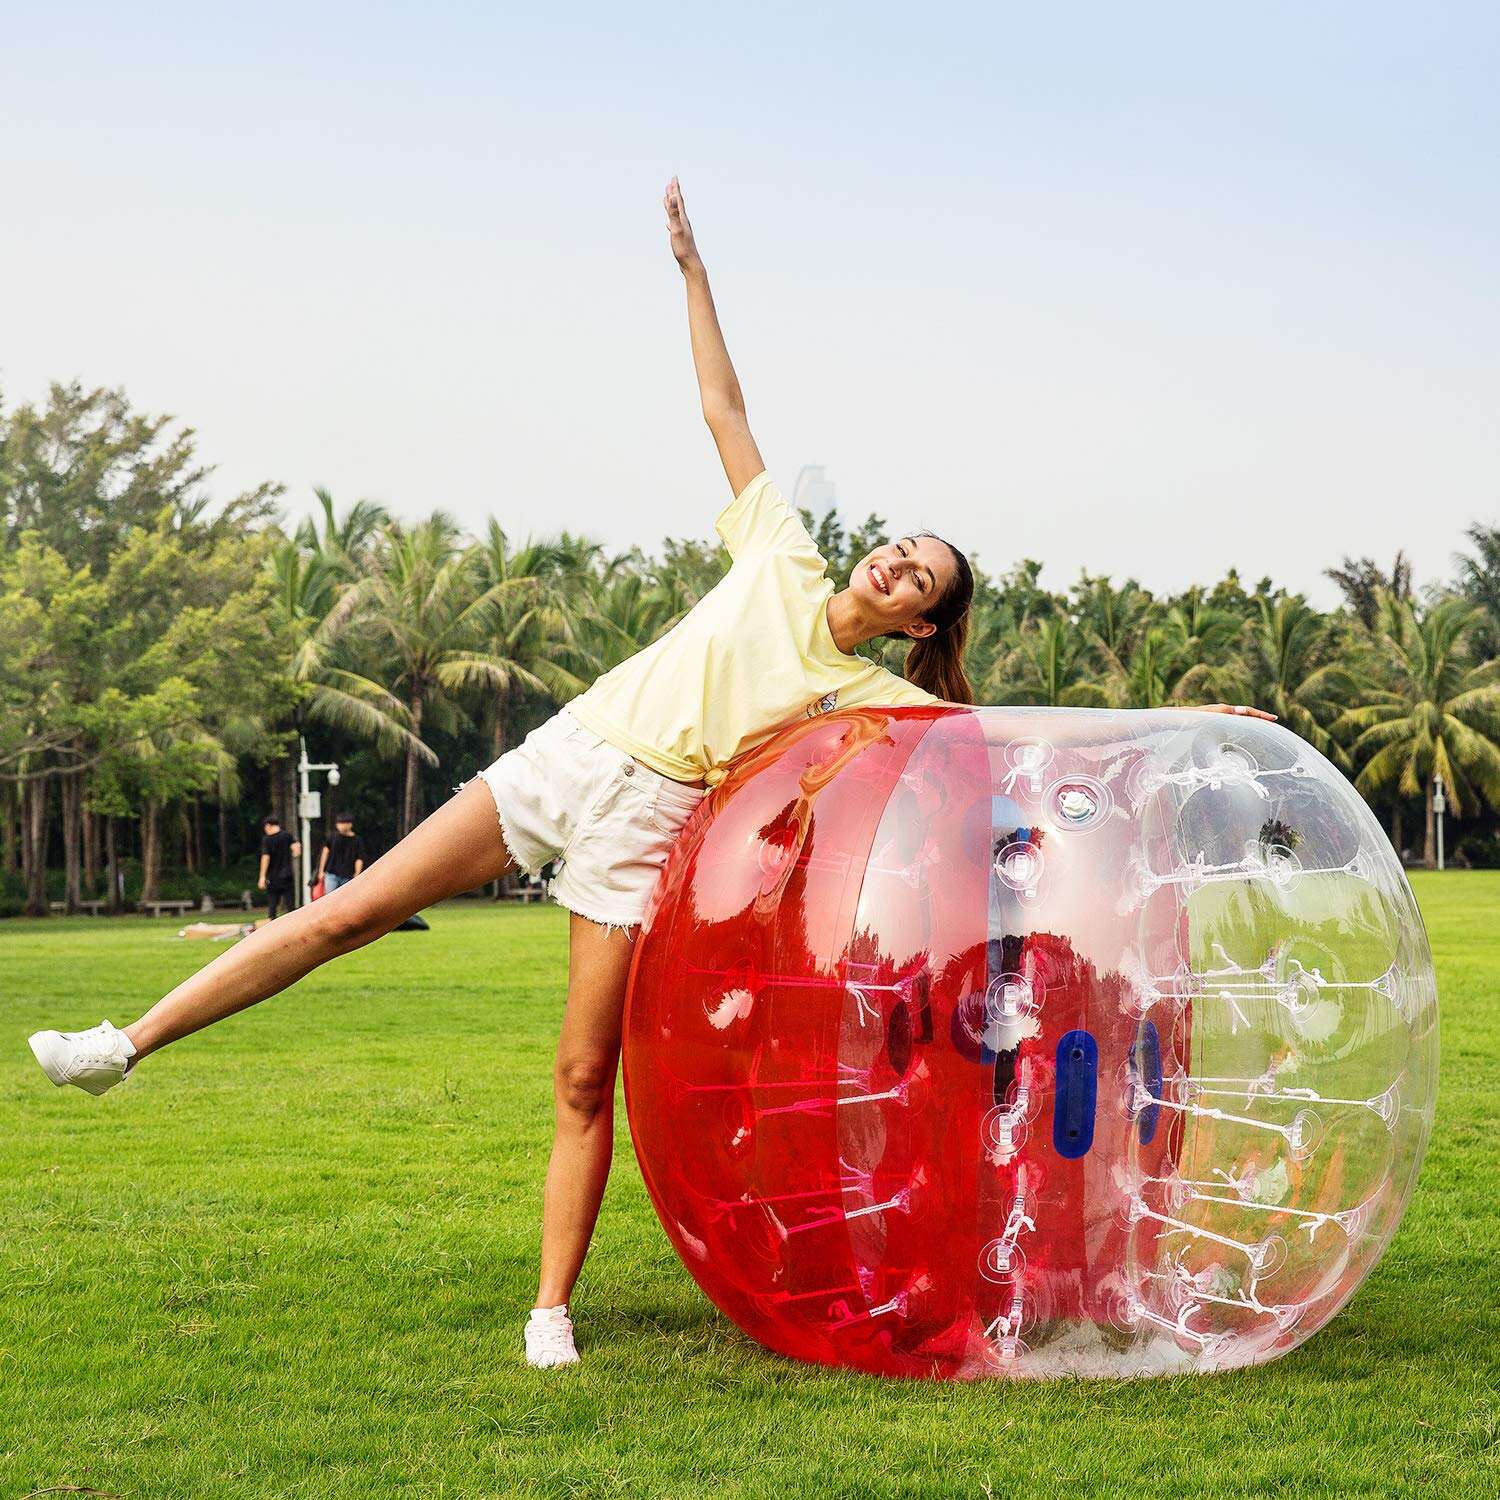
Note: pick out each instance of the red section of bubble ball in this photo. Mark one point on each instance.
(811, 1065)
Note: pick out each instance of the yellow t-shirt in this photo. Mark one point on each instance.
(752, 656)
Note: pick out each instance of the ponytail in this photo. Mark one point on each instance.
(935, 663)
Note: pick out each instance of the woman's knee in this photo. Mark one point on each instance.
(345, 922)
(584, 1085)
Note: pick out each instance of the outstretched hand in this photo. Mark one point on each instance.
(1232, 708)
(684, 248)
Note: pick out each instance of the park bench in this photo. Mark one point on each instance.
(177, 908)
(245, 902)
(93, 907)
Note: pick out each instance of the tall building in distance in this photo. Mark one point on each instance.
(814, 490)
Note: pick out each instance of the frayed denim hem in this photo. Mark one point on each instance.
(630, 929)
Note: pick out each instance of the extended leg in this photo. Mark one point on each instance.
(588, 1054)
(457, 849)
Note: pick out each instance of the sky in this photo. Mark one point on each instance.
(1154, 291)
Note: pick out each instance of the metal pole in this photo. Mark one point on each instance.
(1439, 806)
(308, 807)
(302, 791)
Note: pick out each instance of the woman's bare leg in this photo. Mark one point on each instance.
(457, 849)
(588, 1054)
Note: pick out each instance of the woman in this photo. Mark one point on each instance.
(607, 785)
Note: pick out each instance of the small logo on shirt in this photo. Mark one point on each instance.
(825, 705)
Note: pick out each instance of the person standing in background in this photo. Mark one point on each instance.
(277, 851)
(343, 855)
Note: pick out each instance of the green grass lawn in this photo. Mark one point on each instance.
(292, 1257)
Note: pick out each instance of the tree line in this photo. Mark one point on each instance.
(162, 653)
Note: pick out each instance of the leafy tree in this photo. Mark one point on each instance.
(86, 470)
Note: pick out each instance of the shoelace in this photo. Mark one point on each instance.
(96, 1048)
(551, 1335)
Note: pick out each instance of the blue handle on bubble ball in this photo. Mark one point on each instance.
(1077, 1092)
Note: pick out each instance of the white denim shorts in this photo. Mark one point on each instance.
(568, 794)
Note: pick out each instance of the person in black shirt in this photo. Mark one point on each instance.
(343, 855)
(277, 851)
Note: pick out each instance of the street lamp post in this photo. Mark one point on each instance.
(1439, 807)
(310, 806)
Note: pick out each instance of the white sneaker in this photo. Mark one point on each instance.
(94, 1060)
(549, 1338)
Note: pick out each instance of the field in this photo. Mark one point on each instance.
(292, 1257)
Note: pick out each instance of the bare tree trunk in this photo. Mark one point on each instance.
(90, 850)
(185, 825)
(72, 832)
(411, 801)
(112, 866)
(9, 854)
(1429, 843)
(150, 851)
(223, 835)
(23, 827)
(286, 799)
(1396, 826)
(35, 801)
(198, 834)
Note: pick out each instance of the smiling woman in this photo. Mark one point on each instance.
(606, 786)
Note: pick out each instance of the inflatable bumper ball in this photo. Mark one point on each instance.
(1031, 1042)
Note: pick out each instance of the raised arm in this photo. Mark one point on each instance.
(718, 385)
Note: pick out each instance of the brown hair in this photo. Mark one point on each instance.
(935, 663)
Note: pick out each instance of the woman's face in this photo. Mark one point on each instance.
(899, 582)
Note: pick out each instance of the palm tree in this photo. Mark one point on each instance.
(532, 624)
(622, 613)
(432, 620)
(1294, 672)
(1185, 655)
(1203, 641)
(1479, 579)
(1001, 610)
(1113, 619)
(344, 542)
(314, 607)
(1049, 664)
(1436, 713)
(1363, 583)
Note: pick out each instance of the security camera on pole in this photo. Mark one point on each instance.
(310, 806)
